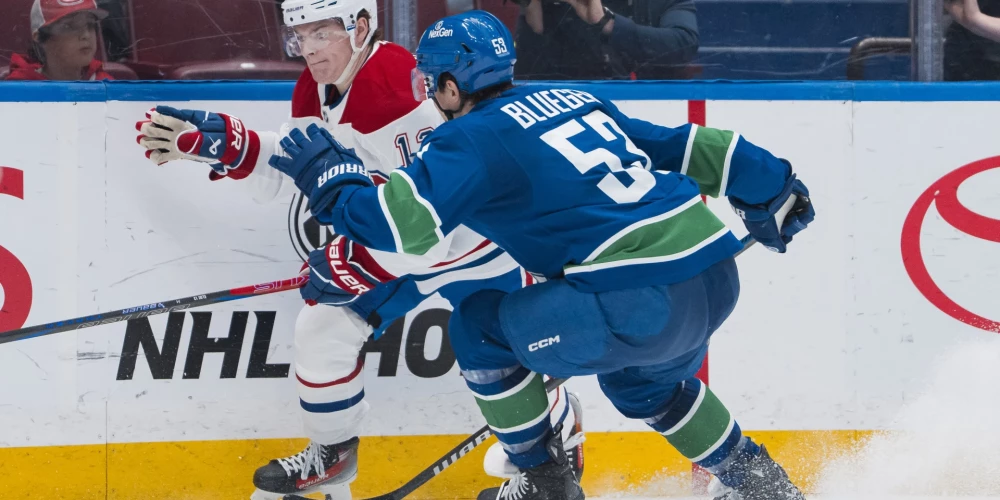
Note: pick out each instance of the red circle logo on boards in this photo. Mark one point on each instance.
(944, 195)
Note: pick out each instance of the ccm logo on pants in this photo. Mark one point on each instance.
(534, 346)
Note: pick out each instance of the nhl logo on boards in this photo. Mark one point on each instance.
(956, 235)
(439, 31)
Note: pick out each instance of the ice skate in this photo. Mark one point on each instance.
(566, 411)
(323, 469)
(554, 480)
(763, 479)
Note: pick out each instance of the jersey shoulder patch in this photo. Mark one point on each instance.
(382, 92)
(305, 97)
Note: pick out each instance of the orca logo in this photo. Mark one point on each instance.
(943, 194)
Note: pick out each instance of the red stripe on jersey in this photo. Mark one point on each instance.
(378, 178)
(481, 246)
(382, 92)
(352, 376)
(361, 257)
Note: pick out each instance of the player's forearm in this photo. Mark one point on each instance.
(351, 214)
(720, 161)
(363, 216)
(264, 182)
(725, 164)
(755, 175)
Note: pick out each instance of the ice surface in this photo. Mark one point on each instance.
(948, 442)
(945, 444)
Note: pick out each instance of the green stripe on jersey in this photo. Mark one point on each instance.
(410, 215)
(666, 237)
(703, 429)
(520, 407)
(708, 159)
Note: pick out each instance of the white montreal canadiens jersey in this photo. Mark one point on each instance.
(380, 119)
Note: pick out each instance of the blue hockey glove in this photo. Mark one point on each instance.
(319, 165)
(218, 139)
(334, 277)
(775, 223)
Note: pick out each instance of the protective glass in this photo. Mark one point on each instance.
(423, 85)
(75, 24)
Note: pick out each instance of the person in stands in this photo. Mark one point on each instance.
(64, 43)
(605, 39)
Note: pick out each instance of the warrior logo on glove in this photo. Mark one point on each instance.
(343, 168)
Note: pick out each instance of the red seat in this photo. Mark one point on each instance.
(174, 33)
(506, 10)
(15, 37)
(120, 71)
(235, 70)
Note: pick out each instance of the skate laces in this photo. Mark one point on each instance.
(304, 461)
(517, 486)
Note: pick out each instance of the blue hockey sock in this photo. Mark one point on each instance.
(516, 407)
(700, 427)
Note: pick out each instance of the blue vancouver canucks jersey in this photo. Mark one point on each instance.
(570, 187)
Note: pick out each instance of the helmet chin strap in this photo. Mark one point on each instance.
(450, 115)
(355, 63)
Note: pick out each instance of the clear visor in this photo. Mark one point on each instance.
(307, 39)
(423, 85)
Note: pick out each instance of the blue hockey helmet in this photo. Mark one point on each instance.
(473, 47)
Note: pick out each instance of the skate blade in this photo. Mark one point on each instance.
(338, 491)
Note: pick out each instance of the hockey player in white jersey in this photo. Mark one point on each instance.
(359, 88)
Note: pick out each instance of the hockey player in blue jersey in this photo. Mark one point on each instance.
(637, 272)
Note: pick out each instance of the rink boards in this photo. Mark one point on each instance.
(828, 343)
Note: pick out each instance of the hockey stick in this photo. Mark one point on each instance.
(153, 309)
(459, 451)
(747, 242)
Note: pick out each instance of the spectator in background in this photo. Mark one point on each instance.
(64, 43)
(972, 42)
(609, 39)
(115, 29)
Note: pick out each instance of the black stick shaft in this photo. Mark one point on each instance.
(151, 309)
(459, 451)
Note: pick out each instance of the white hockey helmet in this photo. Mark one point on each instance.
(299, 12)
